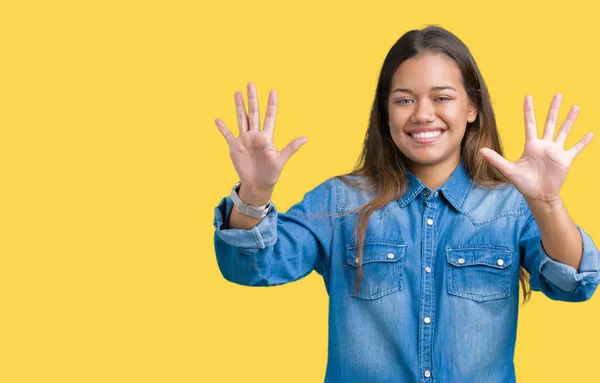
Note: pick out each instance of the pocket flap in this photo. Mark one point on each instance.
(499, 257)
(376, 252)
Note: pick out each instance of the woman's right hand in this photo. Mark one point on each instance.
(257, 161)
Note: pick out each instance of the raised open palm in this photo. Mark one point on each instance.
(543, 166)
(257, 161)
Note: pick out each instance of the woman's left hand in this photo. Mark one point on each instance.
(540, 172)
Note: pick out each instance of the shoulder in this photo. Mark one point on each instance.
(320, 199)
(335, 190)
(340, 193)
(353, 192)
(485, 204)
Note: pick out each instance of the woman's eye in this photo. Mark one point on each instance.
(406, 101)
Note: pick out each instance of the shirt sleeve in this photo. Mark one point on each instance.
(283, 247)
(557, 280)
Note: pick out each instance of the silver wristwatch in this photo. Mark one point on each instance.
(245, 208)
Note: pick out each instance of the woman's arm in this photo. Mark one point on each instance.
(551, 275)
(540, 173)
(560, 257)
(282, 247)
(560, 236)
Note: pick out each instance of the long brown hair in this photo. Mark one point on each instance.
(382, 167)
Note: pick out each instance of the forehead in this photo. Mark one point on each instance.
(427, 70)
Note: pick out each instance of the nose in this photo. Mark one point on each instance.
(424, 113)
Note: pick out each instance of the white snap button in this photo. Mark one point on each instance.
(427, 373)
(461, 261)
(391, 256)
(500, 262)
(428, 269)
(427, 320)
(357, 260)
(429, 221)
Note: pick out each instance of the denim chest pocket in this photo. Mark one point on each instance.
(479, 272)
(382, 268)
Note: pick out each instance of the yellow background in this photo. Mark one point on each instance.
(111, 165)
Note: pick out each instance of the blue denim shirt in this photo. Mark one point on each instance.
(440, 289)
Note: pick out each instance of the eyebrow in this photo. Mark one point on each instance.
(443, 87)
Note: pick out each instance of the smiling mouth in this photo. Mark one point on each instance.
(426, 137)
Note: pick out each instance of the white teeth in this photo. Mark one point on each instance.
(426, 134)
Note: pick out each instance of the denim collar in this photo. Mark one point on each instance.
(456, 189)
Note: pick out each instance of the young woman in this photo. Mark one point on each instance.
(422, 247)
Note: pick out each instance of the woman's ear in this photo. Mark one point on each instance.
(472, 114)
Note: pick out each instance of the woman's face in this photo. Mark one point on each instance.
(429, 110)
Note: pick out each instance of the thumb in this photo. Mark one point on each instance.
(290, 149)
(499, 162)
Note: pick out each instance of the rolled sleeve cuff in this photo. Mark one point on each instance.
(566, 277)
(259, 237)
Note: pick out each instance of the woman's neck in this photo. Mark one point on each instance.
(434, 176)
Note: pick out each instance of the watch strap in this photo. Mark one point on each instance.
(245, 208)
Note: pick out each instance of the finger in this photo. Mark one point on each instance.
(242, 117)
(566, 126)
(575, 150)
(253, 114)
(530, 128)
(224, 130)
(271, 112)
(499, 162)
(291, 148)
(552, 117)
